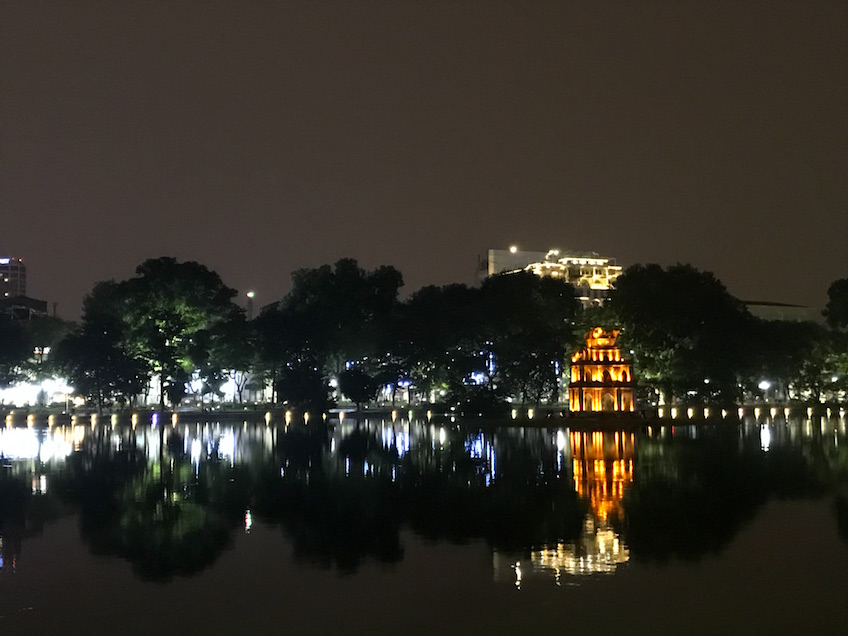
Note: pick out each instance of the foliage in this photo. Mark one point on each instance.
(95, 363)
(166, 307)
(15, 350)
(303, 385)
(836, 310)
(687, 332)
(358, 386)
(529, 323)
(336, 312)
(332, 315)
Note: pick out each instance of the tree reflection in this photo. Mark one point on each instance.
(170, 499)
(691, 497)
(147, 512)
(842, 516)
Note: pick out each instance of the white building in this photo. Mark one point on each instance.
(591, 275)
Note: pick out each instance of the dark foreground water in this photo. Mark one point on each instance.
(424, 527)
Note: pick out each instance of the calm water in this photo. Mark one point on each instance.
(424, 527)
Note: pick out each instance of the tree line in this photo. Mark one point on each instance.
(477, 347)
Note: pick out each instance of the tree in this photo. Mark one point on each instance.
(338, 311)
(687, 332)
(836, 310)
(436, 335)
(358, 386)
(333, 315)
(231, 353)
(166, 309)
(15, 350)
(303, 385)
(97, 366)
(529, 324)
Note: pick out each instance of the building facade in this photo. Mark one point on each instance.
(601, 378)
(12, 277)
(591, 275)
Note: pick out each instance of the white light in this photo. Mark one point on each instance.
(560, 440)
(765, 438)
(764, 385)
(513, 249)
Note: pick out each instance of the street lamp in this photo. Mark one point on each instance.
(250, 296)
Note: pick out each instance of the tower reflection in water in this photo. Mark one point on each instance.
(602, 467)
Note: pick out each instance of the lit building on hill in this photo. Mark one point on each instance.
(591, 275)
(601, 378)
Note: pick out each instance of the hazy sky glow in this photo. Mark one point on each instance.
(260, 137)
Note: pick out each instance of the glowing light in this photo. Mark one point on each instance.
(513, 249)
(227, 446)
(765, 438)
(560, 440)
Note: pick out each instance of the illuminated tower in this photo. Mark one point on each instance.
(601, 379)
(12, 277)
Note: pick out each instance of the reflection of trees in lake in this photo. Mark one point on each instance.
(692, 496)
(170, 501)
(148, 512)
(24, 512)
(841, 506)
(351, 503)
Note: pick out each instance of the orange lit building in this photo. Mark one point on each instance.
(601, 378)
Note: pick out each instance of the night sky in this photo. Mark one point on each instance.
(261, 137)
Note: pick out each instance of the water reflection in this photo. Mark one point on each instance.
(551, 503)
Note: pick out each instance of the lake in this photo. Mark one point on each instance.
(391, 525)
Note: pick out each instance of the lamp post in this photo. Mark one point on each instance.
(250, 296)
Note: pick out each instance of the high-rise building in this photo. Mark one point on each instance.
(12, 277)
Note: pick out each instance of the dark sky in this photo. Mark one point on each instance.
(260, 137)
